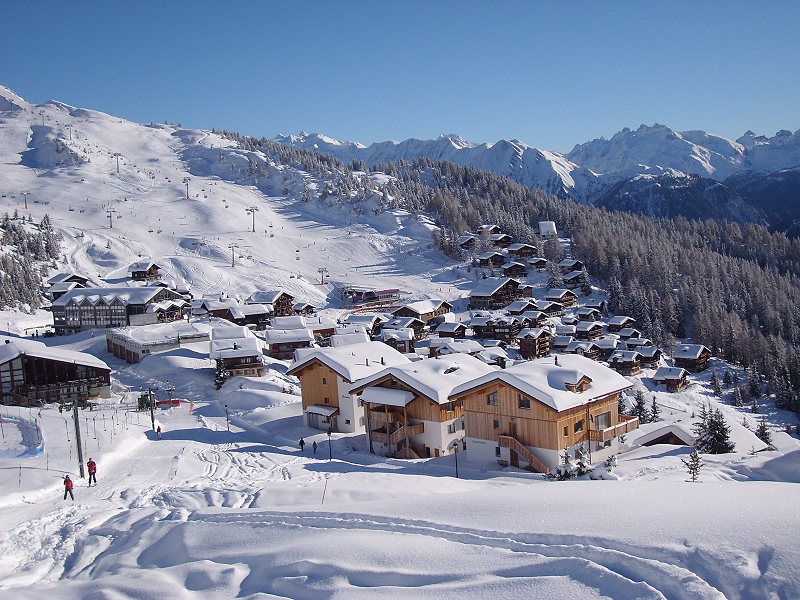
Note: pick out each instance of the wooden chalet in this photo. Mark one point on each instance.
(650, 356)
(626, 362)
(619, 322)
(674, 378)
(520, 306)
(692, 357)
(424, 310)
(503, 328)
(501, 240)
(452, 330)
(539, 263)
(559, 343)
(370, 322)
(533, 318)
(521, 250)
(551, 309)
(144, 271)
(530, 413)
(488, 229)
(584, 313)
(493, 293)
(565, 298)
(514, 269)
(573, 280)
(407, 408)
(282, 303)
(238, 351)
(213, 307)
(467, 242)
(69, 278)
(303, 308)
(627, 333)
(588, 330)
(583, 348)
(256, 316)
(414, 324)
(568, 264)
(635, 343)
(491, 259)
(606, 346)
(534, 343)
(282, 343)
(401, 339)
(32, 374)
(326, 375)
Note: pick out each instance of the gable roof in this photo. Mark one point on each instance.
(126, 295)
(422, 307)
(691, 351)
(351, 362)
(546, 382)
(11, 348)
(433, 378)
(489, 286)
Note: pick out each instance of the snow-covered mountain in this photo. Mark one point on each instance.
(602, 170)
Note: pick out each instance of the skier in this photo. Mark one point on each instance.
(68, 487)
(158, 432)
(302, 444)
(92, 467)
(314, 446)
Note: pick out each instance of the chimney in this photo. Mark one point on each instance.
(383, 362)
(367, 362)
(235, 347)
(556, 360)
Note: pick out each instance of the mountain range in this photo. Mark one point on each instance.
(653, 170)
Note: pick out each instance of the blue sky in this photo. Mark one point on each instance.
(552, 74)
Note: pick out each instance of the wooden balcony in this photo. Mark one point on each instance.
(382, 437)
(627, 424)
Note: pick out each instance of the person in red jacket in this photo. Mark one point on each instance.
(68, 487)
(92, 471)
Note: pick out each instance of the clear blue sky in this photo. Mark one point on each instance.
(552, 74)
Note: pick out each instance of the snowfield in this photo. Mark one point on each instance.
(226, 505)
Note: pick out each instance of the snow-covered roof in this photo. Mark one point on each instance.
(488, 287)
(567, 262)
(290, 322)
(620, 320)
(653, 431)
(534, 332)
(422, 307)
(557, 293)
(351, 362)
(565, 329)
(582, 345)
(126, 295)
(450, 327)
(233, 347)
(586, 326)
(692, 351)
(264, 297)
(240, 311)
(278, 336)
(402, 323)
(165, 305)
(547, 382)
(397, 334)
(451, 346)
(606, 342)
(11, 348)
(381, 395)
(320, 409)
(142, 265)
(433, 378)
(624, 356)
(339, 339)
(62, 286)
(519, 246)
(663, 373)
(489, 254)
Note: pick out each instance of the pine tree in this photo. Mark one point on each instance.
(693, 465)
(763, 432)
(586, 284)
(754, 406)
(555, 280)
(737, 397)
(640, 408)
(715, 385)
(700, 429)
(219, 376)
(726, 378)
(718, 435)
(622, 408)
(655, 411)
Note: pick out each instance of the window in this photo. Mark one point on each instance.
(327, 400)
(347, 421)
(524, 402)
(603, 421)
(496, 424)
(578, 427)
(492, 399)
(497, 451)
(451, 428)
(566, 431)
(324, 381)
(450, 407)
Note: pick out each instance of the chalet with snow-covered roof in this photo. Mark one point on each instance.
(326, 375)
(488, 229)
(503, 328)
(500, 240)
(692, 357)
(569, 264)
(650, 356)
(32, 373)
(569, 320)
(56, 290)
(565, 298)
(134, 344)
(144, 271)
(635, 343)
(521, 250)
(493, 293)
(583, 348)
(444, 346)
(534, 343)
(466, 242)
(90, 308)
(407, 409)
(282, 303)
(627, 333)
(303, 308)
(588, 330)
(424, 310)
(539, 263)
(565, 329)
(414, 324)
(559, 343)
(490, 259)
(674, 378)
(606, 346)
(626, 362)
(452, 330)
(401, 339)
(282, 343)
(533, 318)
(551, 309)
(573, 280)
(256, 316)
(213, 307)
(370, 322)
(601, 305)
(584, 313)
(69, 278)
(528, 414)
(547, 228)
(237, 351)
(520, 306)
(674, 434)
(619, 322)
(513, 269)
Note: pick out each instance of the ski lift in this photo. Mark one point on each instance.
(71, 209)
(297, 254)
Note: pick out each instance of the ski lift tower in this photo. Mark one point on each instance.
(233, 253)
(117, 155)
(252, 210)
(25, 195)
(186, 181)
(110, 212)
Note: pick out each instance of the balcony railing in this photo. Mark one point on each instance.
(398, 434)
(603, 435)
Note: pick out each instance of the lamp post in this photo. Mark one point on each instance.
(330, 448)
(455, 447)
(227, 421)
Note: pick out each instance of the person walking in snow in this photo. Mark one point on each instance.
(314, 446)
(302, 444)
(92, 468)
(158, 432)
(68, 487)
